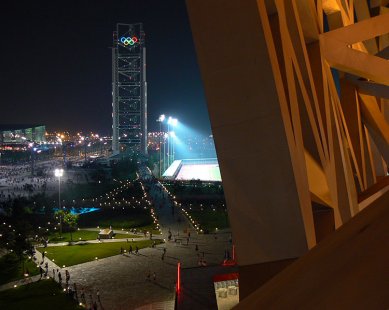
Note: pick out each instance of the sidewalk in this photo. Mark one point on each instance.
(28, 280)
(101, 241)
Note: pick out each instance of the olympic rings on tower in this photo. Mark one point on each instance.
(129, 40)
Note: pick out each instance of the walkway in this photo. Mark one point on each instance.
(122, 279)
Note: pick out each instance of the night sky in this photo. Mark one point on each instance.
(55, 65)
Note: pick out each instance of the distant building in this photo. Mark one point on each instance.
(154, 139)
(21, 133)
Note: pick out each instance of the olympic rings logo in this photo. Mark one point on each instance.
(129, 40)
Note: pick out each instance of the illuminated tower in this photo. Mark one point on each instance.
(129, 89)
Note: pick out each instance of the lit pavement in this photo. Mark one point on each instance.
(121, 279)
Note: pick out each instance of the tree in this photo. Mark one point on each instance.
(20, 245)
(99, 175)
(71, 221)
(59, 215)
(124, 169)
(67, 218)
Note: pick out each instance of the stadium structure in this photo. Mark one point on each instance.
(298, 99)
(21, 133)
(194, 169)
(129, 90)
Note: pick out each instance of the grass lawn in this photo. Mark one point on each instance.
(78, 254)
(12, 269)
(118, 218)
(42, 295)
(209, 220)
(85, 235)
(86, 191)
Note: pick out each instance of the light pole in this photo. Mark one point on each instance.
(173, 136)
(164, 150)
(160, 120)
(59, 173)
(171, 122)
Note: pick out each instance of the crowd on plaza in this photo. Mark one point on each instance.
(16, 180)
(154, 192)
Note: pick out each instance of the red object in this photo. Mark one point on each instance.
(229, 262)
(233, 252)
(225, 277)
(178, 287)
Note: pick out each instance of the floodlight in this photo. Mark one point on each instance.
(58, 172)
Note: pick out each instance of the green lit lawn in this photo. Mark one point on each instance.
(42, 295)
(129, 218)
(209, 220)
(78, 254)
(12, 269)
(85, 235)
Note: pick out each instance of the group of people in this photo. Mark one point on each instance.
(71, 289)
(148, 276)
(130, 250)
(16, 180)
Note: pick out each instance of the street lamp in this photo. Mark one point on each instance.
(59, 173)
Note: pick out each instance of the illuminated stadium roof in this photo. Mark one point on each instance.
(9, 127)
(194, 169)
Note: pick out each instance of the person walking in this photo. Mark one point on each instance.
(130, 250)
(83, 296)
(59, 278)
(98, 296)
(136, 250)
(75, 291)
(67, 277)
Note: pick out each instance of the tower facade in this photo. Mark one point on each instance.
(129, 89)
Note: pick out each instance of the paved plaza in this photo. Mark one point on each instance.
(122, 279)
